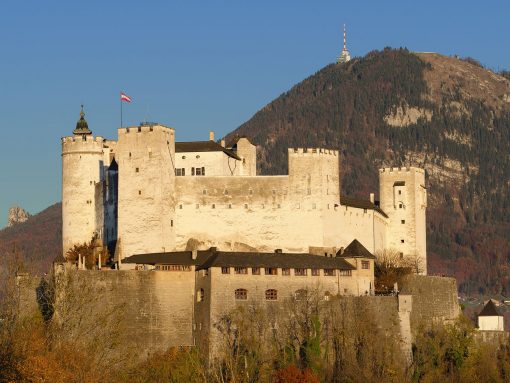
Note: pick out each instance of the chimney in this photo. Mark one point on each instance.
(340, 252)
(372, 197)
(194, 254)
(223, 142)
(211, 135)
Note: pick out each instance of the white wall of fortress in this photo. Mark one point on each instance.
(158, 211)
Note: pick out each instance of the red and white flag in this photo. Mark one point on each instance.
(125, 97)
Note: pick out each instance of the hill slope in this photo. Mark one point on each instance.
(395, 108)
(37, 241)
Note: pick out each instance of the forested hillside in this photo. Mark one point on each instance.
(396, 108)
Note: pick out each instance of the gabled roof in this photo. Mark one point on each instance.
(360, 204)
(60, 259)
(213, 258)
(489, 310)
(277, 260)
(203, 146)
(355, 250)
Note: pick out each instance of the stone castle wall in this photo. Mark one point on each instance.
(435, 299)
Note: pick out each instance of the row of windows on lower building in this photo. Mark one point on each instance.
(270, 294)
(194, 171)
(286, 271)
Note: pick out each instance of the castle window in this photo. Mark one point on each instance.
(230, 206)
(137, 170)
(129, 154)
(300, 272)
(198, 171)
(179, 172)
(329, 272)
(225, 192)
(246, 206)
(400, 206)
(365, 265)
(192, 171)
(139, 129)
(197, 206)
(274, 192)
(183, 157)
(255, 271)
(271, 271)
(204, 192)
(271, 295)
(139, 192)
(241, 294)
(279, 206)
(285, 271)
(401, 255)
(240, 270)
(200, 295)
(171, 223)
(213, 206)
(197, 156)
(402, 241)
(225, 270)
(314, 206)
(203, 171)
(327, 296)
(315, 272)
(399, 192)
(402, 221)
(250, 192)
(309, 191)
(180, 206)
(151, 129)
(364, 211)
(345, 273)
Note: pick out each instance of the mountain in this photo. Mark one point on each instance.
(397, 108)
(35, 242)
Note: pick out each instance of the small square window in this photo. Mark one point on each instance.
(240, 270)
(255, 270)
(300, 272)
(213, 206)
(137, 170)
(400, 206)
(285, 271)
(225, 270)
(271, 271)
(315, 272)
(365, 265)
(402, 221)
(401, 241)
(399, 192)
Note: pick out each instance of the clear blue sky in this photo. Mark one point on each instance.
(193, 65)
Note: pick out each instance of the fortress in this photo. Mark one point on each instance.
(186, 231)
(146, 193)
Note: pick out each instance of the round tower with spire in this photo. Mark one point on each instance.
(345, 55)
(82, 173)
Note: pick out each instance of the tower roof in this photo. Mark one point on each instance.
(489, 310)
(82, 128)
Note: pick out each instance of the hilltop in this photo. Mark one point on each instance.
(397, 108)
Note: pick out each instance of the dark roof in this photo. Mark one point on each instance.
(60, 259)
(81, 126)
(355, 250)
(203, 146)
(213, 258)
(113, 165)
(360, 204)
(282, 260)
(489, 310)
(172, 258)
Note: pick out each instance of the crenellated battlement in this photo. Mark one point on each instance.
(145, 128)
(313, 151)
(406, 169)
(81, 139)
(88, 143)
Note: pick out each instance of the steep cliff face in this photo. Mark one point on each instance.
(16, 215)
(396, 108)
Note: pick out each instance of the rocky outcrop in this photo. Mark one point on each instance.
(16, 215)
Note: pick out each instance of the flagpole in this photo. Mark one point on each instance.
(120, 109)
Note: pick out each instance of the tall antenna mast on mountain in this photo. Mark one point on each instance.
(345, 55)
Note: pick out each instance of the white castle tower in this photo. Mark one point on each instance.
(82, 161)
(403, 198)
(345, 55)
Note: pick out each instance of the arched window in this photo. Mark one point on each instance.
(300, 294)
(271, 295)
(241, 294)
(200, 295)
